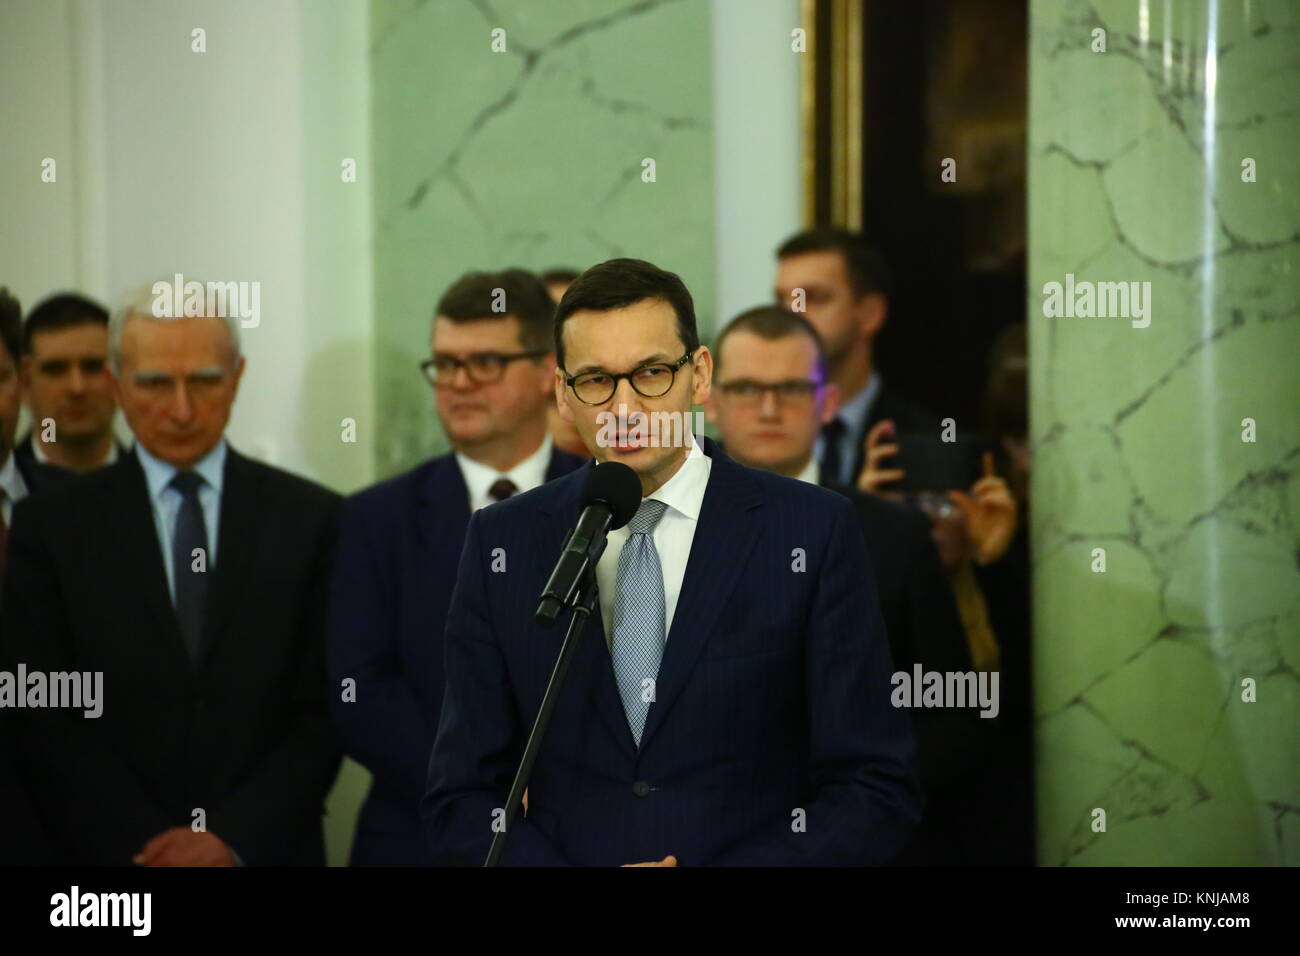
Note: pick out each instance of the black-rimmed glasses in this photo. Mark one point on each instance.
(796, 391)
(649, 381)
(483, 368)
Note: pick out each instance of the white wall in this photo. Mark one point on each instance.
(757, 140)
(223, 165)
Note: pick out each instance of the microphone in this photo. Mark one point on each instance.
(610, 499)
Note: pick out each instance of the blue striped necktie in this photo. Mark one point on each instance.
(637, 632)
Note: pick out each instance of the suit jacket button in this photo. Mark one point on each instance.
(640, 788)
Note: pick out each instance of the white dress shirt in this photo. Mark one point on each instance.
(683, 493)
(15, 489)
(526, 475)
(812, 472)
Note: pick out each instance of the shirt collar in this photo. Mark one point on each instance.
(528, 474)
(684, 491)
(158, 473)
(812, 472)
(11, 479)
(854, 412)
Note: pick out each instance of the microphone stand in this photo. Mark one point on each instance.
(583, 601)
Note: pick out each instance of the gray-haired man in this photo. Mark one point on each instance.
(196, 585)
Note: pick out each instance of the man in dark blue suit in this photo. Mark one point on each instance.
(730, 702)
(771, 395)
(492, 373)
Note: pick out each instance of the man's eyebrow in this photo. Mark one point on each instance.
(656, 357)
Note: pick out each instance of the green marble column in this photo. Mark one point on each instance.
(526, 147)
(1170, 440)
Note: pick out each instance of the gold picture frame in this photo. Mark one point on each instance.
(831, 103)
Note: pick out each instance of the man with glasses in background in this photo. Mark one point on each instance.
(771, 397)
(492, 370)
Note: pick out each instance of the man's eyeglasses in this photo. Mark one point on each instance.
(795, 391)
(649, 381)
(483, 368)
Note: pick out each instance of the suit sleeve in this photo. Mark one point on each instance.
(480, 736)
(362, 645)
(863, 799)
(102, 812)
(286, 792)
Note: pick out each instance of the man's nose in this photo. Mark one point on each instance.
(460, 379)
(768, 406)
(182, 406)
(626, 395)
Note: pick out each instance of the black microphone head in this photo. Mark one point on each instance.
(616, 486)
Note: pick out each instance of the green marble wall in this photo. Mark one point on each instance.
(1136, 170)
(531, 157)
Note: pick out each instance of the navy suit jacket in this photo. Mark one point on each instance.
(771, 739)
(395, 568)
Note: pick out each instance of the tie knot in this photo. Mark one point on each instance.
(502, 488)
(647, 516)
(187, 483)
(834, 429)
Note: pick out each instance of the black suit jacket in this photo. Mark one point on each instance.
(923, 625)
(38, 476)
(399, 548)
(244, 734)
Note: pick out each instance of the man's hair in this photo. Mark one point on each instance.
(11, 324)
(771, 322)
(866, 268)
(63, 311)
(618, 283)
(472, 296)
(139, 303)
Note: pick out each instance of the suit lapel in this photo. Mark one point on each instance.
(138, 557)
(591, 671)
(237, 531)
(442, 510)
(725, 534)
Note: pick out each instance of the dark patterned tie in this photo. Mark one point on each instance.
(832, 462)
(502, 489)
(191, 585)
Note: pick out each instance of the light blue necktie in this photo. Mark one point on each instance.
(637, 633)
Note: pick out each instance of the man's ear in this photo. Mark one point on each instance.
(546, 373)
(562, 398)
(703, 365)
(872, 309)
(831, 403)
(239, 373)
